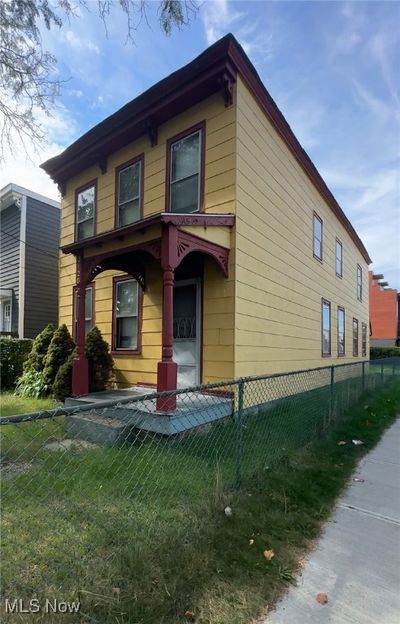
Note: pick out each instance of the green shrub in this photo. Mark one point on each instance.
(100, 361)
(39, 350)
(13, 354)
(31, 384)
(60, 348)
(376, 353)
(62, 387)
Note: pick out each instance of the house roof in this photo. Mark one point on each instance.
(215, 69)
(11, 194)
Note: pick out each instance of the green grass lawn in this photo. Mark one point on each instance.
(139, 533)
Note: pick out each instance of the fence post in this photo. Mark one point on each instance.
(382, 373)
(239, 433)
(363, 377)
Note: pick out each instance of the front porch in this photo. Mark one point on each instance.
(109, 425)
(171, 241)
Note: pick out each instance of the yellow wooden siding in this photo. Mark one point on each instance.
(279, 283)
(220, 172)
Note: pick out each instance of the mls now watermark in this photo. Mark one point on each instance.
(50, 605)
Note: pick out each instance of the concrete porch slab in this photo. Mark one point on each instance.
(193, 409)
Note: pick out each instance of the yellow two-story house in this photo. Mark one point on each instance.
(202, 241)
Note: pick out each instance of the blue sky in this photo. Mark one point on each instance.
(330, 66)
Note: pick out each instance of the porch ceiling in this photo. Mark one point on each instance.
(169, 250)
(120, 234)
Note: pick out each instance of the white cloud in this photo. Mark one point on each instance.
(22, 165)
(377, 106)
(220, 17)
(76, 41)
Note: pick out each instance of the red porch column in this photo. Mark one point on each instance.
(167, 369)
(80, 367)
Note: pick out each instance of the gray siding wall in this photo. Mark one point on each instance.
(41, 266)
(9, 256)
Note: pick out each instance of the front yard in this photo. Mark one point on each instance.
(139, 534)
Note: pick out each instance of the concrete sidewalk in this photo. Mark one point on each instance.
(357, 560)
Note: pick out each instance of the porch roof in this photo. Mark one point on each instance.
(197, 219)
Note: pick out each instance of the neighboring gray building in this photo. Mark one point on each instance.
(29, 244)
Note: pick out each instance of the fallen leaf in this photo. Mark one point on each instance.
(268, 554)
(322, 598)
(189, 614)
(341, 443)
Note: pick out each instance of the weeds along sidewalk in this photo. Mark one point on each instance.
(137, 531)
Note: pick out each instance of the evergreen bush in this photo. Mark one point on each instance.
(100, 360)
(376, 353)
(39, 350)
(60, 348)
(62, 387)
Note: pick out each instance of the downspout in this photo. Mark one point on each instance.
(21, 278)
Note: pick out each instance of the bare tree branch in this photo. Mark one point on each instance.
(28, 79)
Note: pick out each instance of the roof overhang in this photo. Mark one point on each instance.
(214, 70)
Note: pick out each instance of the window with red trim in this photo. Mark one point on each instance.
(126, 315)
(326, 327)
(355, 337)
(317, 236)
(185, 173)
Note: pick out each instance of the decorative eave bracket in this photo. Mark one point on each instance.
(227, 80)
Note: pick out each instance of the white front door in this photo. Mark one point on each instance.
(187, 331)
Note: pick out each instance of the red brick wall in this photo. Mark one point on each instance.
(383, 311)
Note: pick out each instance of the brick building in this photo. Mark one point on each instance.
(384, 309)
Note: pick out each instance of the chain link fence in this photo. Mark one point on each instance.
(107, 502)
(218, 436)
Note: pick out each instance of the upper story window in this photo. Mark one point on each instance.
(129, 192)
(317, 236)
(186, 172)
(359, 283)
(326, 327)
(85, 211)
(126, 314)
(341, 336)
(339, 258)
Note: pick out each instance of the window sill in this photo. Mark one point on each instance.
(317, 258)
(126, 352)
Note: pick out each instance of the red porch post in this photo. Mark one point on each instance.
(80, 367)
(167, 369)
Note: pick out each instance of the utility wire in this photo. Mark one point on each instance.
(45, 253)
